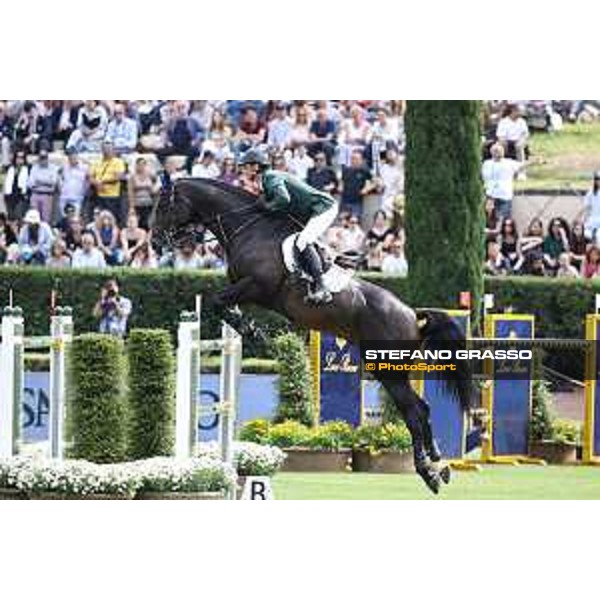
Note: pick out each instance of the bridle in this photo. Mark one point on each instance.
(216, 222)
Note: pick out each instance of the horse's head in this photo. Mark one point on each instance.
(172, 213)
(221, 208)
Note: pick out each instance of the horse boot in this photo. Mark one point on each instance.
(311, 263)
(428, 473)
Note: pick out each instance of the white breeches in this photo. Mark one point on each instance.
(316, 227)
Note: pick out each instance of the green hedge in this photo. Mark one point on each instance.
(159, 296)
(295, 402)
(151, 376)
(97, 404)
(559, 306)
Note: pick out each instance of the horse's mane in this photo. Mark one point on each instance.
(226, 187)
(276, 219)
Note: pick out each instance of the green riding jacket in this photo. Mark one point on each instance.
(284, 192)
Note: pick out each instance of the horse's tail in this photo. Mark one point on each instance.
(438, 332)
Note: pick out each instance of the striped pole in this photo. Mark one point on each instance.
(12, 378)
(188, 351)
(61, 331)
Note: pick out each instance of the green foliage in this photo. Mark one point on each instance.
(289, 434)
(151, 393)
(97, 405)
(256, 431)
(158, 297)
(389, 436)
(540, 425)
(390, 412)
(444, 201)
(544, 426)
(565, 431)
(295, 400)
(559, 306)
(333, 435)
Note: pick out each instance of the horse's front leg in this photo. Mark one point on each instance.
(242, 291)
(227, 302)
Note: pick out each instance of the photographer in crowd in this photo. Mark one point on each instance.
(112, 309)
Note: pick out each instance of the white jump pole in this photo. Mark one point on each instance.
(188, 353)
(12, 381)
(231, 362)
(61, 331)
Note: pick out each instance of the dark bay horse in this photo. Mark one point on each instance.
(252, 239)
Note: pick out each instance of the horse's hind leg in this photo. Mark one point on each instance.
(424, 415)
(407, 403)
(431, 446)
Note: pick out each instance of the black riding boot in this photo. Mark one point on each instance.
(311, 263)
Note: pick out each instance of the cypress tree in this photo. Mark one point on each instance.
(444, 202)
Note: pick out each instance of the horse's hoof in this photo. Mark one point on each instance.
(431, 479)
(445, 474)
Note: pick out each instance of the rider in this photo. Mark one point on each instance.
(286, 193)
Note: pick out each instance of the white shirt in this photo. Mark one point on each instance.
(299, 166)
(91, 260)
(182, 262)
(388, 132)
(393, 179)
(394, 265)
(498, 176)
(592, 208)
(352, 239)
(511, 130)
(210, 171)
(74, 182)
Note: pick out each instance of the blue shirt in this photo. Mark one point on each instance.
(123, 134)
(280, 131)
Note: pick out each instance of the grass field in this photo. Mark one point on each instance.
(564, 159)
(491, 483)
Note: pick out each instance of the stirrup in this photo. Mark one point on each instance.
(321, 296)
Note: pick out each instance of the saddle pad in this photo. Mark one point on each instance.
(335, 278)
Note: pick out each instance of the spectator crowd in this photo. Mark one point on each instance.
(79, 177)
(553, 249)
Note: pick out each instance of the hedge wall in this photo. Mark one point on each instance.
(159, 296)
(295, 401)
(151, 388)
(97, 410)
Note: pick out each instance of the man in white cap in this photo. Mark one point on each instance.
(35, 239)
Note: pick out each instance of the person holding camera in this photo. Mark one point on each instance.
(112, 309)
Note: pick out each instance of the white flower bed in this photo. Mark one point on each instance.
(249, 458)
(203, 474)
(78, 478)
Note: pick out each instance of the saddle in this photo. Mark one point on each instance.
(336, 277)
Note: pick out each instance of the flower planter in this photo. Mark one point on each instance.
(384, 461)
(12, 494)
(62, 496)
(555, 453)
(180, 495)
(307, 460)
